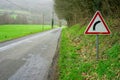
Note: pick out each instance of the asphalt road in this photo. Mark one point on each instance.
(28, 58)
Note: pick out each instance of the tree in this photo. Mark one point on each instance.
(79, 11)
(21, 19)
(6, 19)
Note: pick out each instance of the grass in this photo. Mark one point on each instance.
(77, 59)
(8, 32)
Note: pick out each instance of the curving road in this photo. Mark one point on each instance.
(28, 58)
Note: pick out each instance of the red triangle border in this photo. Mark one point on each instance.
(98, 14)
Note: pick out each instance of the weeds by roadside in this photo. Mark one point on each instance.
(77, 59)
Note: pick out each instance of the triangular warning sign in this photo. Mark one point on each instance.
(97, 25)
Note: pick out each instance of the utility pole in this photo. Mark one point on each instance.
(43, 22)
(52, 25)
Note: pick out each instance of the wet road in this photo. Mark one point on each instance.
(28, 58)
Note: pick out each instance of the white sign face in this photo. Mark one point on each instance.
(97, 25)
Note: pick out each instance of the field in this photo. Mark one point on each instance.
(8, 32)
(77, 59)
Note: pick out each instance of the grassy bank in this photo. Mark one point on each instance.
(8, 32)
(77, 60)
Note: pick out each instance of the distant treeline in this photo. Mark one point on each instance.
(8, 18)
(17, 19)
(80, 11)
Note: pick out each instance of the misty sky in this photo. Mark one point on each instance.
(34, 5)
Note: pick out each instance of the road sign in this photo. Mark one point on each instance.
(97, 25)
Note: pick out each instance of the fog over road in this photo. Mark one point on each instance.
(28, 58)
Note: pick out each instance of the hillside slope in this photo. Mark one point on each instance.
(33, 10)
(37, 6)
(77, 60)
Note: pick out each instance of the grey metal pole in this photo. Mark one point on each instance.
(97, 47)
(43, 23)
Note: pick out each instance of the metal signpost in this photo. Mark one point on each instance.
(97, 26)
(97, 46)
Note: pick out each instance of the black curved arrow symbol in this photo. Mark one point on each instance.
(94, 26)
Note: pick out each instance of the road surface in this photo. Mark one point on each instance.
(28, 58)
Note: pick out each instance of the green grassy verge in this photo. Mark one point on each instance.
(8, 32)
(77, 59)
